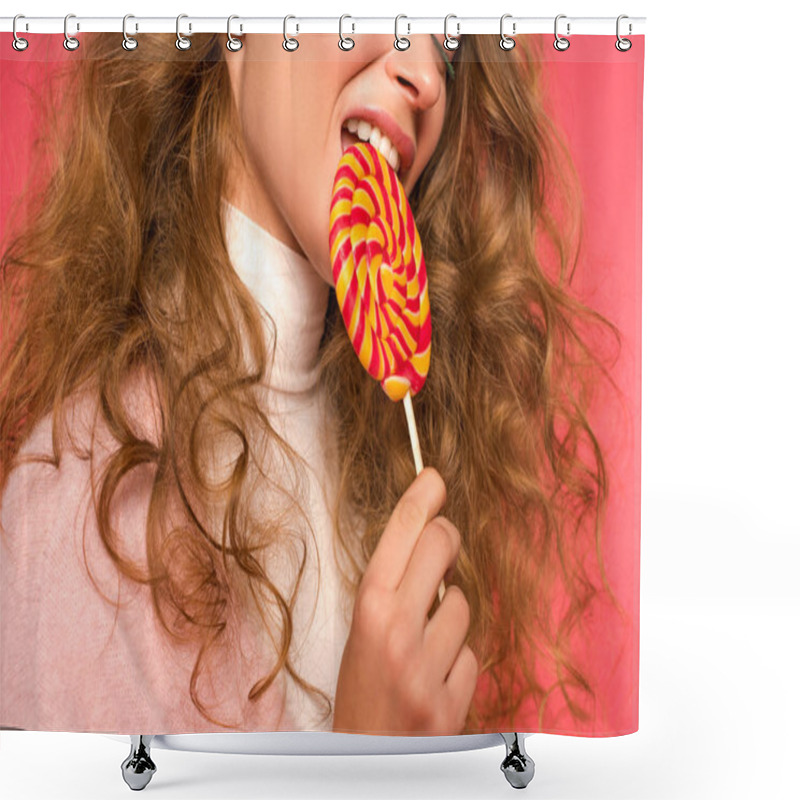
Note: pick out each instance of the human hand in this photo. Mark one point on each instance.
(401, 672)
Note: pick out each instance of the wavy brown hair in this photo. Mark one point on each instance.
(126, 250)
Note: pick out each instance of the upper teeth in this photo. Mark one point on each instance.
(377, 138)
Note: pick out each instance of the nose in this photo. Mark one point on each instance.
(419, 81)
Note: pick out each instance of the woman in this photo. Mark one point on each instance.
(217, 451)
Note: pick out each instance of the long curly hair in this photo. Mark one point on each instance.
(123, 267)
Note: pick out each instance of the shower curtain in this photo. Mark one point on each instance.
(213, 517)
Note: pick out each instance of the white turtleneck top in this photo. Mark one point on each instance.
(89, 654)
(292, 292)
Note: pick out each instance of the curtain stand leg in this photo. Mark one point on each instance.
(517, 766)
(138, 767)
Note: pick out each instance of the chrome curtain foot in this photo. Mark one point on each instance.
(138, 767)
(517, 766)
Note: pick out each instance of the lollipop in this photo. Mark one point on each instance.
(380, 278)
(379, 272)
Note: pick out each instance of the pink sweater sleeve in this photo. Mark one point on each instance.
(69, 660)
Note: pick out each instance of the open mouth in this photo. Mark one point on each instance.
(356, 130)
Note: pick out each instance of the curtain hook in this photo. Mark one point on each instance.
(345, 42)
(623, 45)
(18, 43)
(506, 42)
(290, 44)
(400, 42)
(561, 43)
(182, 43)
(128, 42)
(233, 44)
(450, 42)
(70, 42)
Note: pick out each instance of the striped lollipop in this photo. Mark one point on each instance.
(380, 278)
(379, 272)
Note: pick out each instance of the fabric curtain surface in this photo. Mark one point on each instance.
(320, 385)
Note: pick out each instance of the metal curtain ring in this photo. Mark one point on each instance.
(623, 45)
(449, 42)
(70, 42)
(18, 43)
(400, 42)
(506, 42)
(289, 44)
(561, 43)
(182, 43)
(345, 42)
(233, 44)
(128, 42)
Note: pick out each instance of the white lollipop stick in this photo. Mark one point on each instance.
(412, 432)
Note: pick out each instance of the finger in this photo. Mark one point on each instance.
(436, 550)
(446, 631)
(461, 683)
(419, 504)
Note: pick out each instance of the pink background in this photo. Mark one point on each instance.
(594, 92)
(595, 96)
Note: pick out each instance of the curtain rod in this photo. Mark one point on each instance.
(351, 25)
